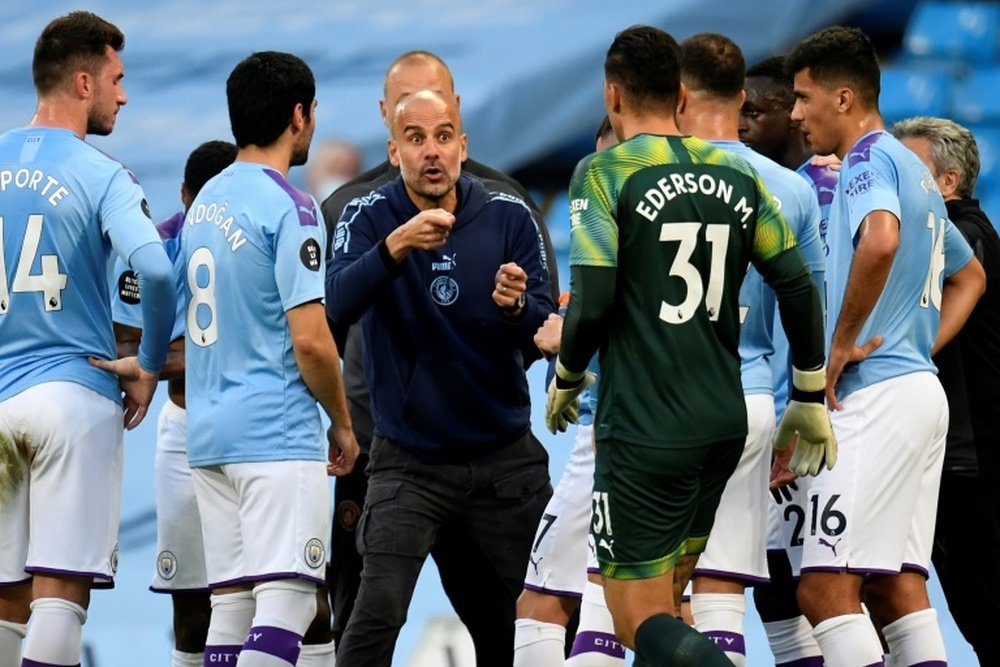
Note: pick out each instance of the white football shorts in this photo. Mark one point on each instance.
(786, 521)
(60, 483)
(737, 545)
(557, 563)
(875, 511)
(180, 559)
(264, 521)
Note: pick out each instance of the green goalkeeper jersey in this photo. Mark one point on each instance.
(678, 219)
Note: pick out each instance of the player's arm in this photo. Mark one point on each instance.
(526, 276)
(127, 341)
(363, 262)
(779, 260)
(876, 242)
(318, 361)
(964, 284)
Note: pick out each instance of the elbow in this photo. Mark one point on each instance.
(980, 280)
(310, 347)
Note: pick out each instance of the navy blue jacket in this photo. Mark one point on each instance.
(445, 366)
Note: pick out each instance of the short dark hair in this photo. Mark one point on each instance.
(713, 63)
(205, 162)
(78, 40)
(645, 62)
(840, 56)
(604, 129)
(773, 69)
(262, 91)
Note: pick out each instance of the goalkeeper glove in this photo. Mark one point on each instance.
(562, 405)
(807, 416)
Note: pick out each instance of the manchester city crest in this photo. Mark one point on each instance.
(314, 553)
(444, 290)
(166, 565)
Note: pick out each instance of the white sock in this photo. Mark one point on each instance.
(11, 635)
(849, 640)
(182, 659)
(231, 616)
(719, 616)
(538, 644)
(596, 644)
(317, 655)
(792, 641)
(56, 630)
(285, 609)
(915, 639)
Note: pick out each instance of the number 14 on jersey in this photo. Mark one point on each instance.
(50, 282)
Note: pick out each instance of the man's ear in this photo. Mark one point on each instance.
(393, 152)
(186, 197)
(83, 84)
(845, 100)
(948, 182)
(612, 97)
(682, 99)
(298, 118)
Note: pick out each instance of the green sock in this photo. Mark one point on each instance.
(663, 640)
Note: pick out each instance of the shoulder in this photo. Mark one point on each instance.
(500, 181)
(334, 205)
(287, 196)
(171, 227)
(878, 151)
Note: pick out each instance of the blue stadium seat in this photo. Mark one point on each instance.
(914, 91)
(988, 141)
(968, 31)
(977, 97)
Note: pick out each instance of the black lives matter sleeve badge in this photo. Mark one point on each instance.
(309, 254)
(128, 288)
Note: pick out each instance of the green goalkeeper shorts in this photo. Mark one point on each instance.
(653, 505)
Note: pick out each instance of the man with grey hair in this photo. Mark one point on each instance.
(967, 544)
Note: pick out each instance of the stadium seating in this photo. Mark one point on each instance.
(968, 31)
(949, 65)
(977, 97)
(911, 90)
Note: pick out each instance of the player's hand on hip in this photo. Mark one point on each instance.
(343, 451)
(549, 335)
(840, 356)
(807, 417)
(138, 384)
(511, 284)
(562, 406)
(427, 230)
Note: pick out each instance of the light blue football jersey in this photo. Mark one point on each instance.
(253, 250)
(126, 305)
(880, 174)
(64, 206)
(823, 181)
(797, 204)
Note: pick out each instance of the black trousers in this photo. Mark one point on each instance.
(966, 558)
(477, 518)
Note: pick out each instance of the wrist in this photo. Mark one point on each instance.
(808, 386)
(515, 308)
(567, 379)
